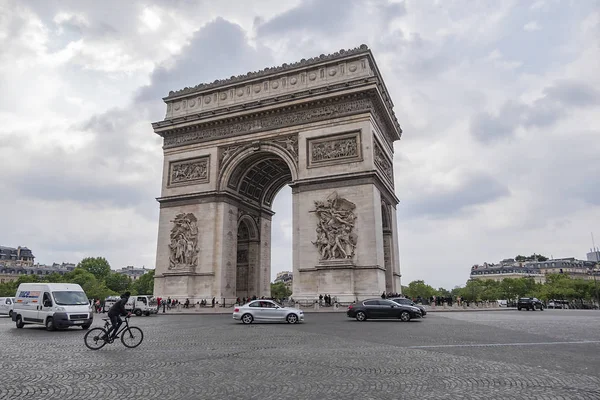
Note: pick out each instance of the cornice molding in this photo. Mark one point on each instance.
(292, 115)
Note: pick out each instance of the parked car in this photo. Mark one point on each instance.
(409, 302)
(530, 303)
(382, 309)
(267, 311)
(6, 305)
(54, 305)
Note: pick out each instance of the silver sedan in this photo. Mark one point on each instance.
(267, 310)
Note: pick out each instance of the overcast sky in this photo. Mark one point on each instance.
(499, 103)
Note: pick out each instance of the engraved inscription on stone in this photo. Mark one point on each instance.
(187, 172)
(183, 249)
(345, 147)
(335, 237)
(382, 162)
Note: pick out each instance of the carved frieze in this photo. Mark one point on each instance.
(335, 237)
(273, 70)
(382, 162)
(289, 143)
(183, 249)
(334, 149)
(188, 172)
(290, 117)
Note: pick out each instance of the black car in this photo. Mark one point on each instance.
(530, 303)
(381, 309)
(409, 302)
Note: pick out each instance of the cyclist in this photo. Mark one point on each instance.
(115, 313)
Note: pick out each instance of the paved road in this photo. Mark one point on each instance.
(485, 355)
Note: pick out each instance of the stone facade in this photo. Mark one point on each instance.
(326, 127)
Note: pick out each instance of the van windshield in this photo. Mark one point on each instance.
(68, 298)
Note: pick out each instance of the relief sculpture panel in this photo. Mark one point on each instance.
(335, 237)
(334, 149)
(188, 172)
(183, 249)
(383, 163)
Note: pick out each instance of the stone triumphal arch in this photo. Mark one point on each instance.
(326, 127)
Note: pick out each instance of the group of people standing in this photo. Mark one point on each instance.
(326, 298)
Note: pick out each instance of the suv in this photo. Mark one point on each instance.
(529, 303)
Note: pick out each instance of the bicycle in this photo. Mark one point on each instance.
(131, 336)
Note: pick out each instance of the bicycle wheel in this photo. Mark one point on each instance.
(132, 337)
(94, 339)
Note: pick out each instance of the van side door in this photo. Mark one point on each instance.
(45, 307)
(29, 305)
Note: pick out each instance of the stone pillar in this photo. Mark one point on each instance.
(225, 263)
(263, 275)
(395, 255)
(361, 276)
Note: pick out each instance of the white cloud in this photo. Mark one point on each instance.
(532, 26)
(498, 156)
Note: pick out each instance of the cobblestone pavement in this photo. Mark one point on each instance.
(485, 355)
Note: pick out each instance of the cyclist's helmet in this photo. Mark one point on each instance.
(126, 295)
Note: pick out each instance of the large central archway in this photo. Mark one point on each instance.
(255, 177)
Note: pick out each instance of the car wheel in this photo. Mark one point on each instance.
(361, 316)
(10, 314)
(85, 327)
(19, 322)
(519, 308)
(138, 312)
(247, 318)
(292, 318)
(405, 316)
(50, 324)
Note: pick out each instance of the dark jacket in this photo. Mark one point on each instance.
(118, 308)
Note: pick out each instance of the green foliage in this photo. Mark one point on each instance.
(443, 292)
(419, 289)
(8, 289)
(144, 284)
(117, 282)
(98, 266)
(280, 291)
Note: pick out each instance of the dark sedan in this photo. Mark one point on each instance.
(409, 302)
(382, 309)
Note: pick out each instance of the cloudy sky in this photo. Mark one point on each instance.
(499, 103)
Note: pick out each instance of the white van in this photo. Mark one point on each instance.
(141, 304)
(54, 305)
(6, 305)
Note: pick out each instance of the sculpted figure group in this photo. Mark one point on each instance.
(335, 239)
(184, 242)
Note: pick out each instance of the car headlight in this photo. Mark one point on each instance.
(60, 309)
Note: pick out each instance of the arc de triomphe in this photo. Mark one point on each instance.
(326, 127)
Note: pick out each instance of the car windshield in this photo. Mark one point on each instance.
(69, 298)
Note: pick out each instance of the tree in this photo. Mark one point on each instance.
(117, 282)
(419, 289)
(98, 266)
(444, 292)
(280, 291)
(144, 284)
